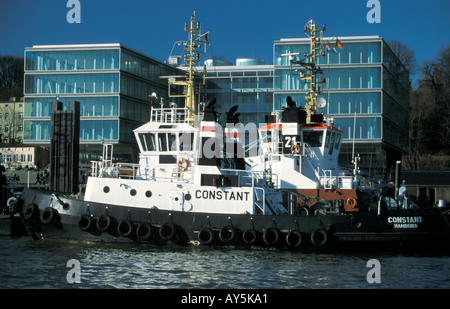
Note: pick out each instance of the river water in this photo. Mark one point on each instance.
(27, 264)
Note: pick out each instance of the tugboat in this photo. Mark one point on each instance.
(302, 148)
(193, 186)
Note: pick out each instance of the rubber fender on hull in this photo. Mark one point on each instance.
(86, 222)
(104, 223)
(29, 211)
(48, 215)
(319, 237)
(167, 231)
(125, 228)
(249, 237)
(271, 236)
(206, 236)
(227, 234)
(144, 231)
(294, 238)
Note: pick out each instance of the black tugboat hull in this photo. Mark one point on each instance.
(47, 216)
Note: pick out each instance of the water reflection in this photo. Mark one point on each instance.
(42, 264)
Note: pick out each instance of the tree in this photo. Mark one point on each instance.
(405, 55)
(11, 77)
(430, 114)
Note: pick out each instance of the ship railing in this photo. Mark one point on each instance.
(105, 169)
(277, 147)
(170, 114)
(166, 174)
(313, 160)
(253, 178)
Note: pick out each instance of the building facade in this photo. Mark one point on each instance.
(112, 84)
(11, 121)
(248, 84)
(366, 89)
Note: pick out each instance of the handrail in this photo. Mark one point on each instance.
(169, 114)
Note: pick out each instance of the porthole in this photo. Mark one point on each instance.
(148, 193)
(187, 196)
(132, 192)
(106, 189)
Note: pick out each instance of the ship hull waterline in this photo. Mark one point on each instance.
(73, 219)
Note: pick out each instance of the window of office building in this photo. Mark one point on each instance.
(71, 83)
(144, 67)
(350, 53)
(140, 89)
(89, 106)
(365, 128)
(98, 130)
(342, 78)
(72, 60)
(36, 130)
(349, 103)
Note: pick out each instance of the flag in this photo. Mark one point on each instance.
(339, 44)
(330, 48)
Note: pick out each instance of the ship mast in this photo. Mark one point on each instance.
(196, 42)
(311, 72)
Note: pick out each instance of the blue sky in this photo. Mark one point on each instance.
(244, 28)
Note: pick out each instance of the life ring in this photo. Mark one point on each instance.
(319, 237)
(86, 222)
(227, 234)
(294, 238)
(352, 202)
(11, 204)
(249, 237)
(183, 164)
(167, 231)
(295, 149)
(270, 236)
(48, 215)
(144, 231)
(125, 228)
(206, 236)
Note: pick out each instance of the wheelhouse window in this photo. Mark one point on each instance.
(167, 142)
(337, 141)
(186, 141)
(332, 140)
(147, 141)
(313, 138)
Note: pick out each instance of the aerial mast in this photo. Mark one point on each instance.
(311, 72)
(196, 42)
(310, 76)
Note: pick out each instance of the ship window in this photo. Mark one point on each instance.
(106, 189)
(148, 193)
(313, 138)
(132, 192)
(337, 141)
(333, 135)
(327, 139)
(167, 142)
(147, 141)
(186, 141)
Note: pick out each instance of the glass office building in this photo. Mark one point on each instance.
(112, 84)
(248, 84)
(367, 92)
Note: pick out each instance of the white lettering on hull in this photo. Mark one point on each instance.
(222, 195)
(405, 222)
